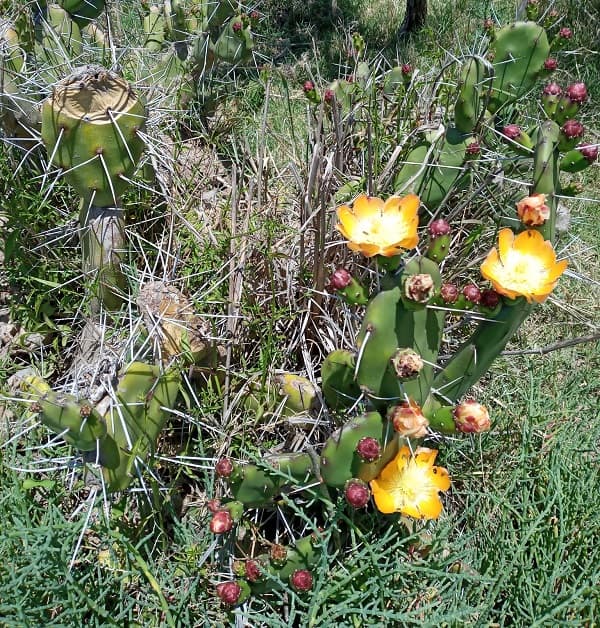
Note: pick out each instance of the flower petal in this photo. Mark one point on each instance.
(505, 241)
(366, 206)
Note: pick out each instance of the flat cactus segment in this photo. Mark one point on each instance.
(74, 419)
(301, 395)
(83, 11)
(154, 29)
(573, 161)
(467, 108)
(337, 376)
(145, 396)
(519, 52)
(448, 383)
(545, 172)
(61, 31)
(339, 460)
(254, 486)
(90, 127)
(233, 46)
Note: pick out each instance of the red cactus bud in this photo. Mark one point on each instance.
(488, 24)
(577, 93)
(237, 26)
(357, 493)
(229, 592)
(301, 580)
(550, 64)
(589, 151)
(449, 293)
(213, 505)
(253, 571)
(552, 89)
(439, 227)
(369, 449)
(472, 293)
(224, 468)
(512, 131)
(489, 299)
(565, 33)
(328, 96)
(572, 128)
(254, 15)
(406, 69)
(340, 279)
(471, 417)
(473, 148)
(221, 522)
(308, 86)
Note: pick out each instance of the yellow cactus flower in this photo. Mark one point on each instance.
(411, 484)
(524, 265)
(374, 227)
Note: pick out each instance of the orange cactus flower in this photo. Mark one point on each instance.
(524, 265)
(376, 227)
(411, 484)
(533, 211)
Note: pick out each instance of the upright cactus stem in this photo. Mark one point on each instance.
(545, 172)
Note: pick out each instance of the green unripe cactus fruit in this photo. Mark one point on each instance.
(519, 52)
(300, 393)
(90, 127)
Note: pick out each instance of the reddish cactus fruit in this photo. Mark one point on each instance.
(572, 129)
(488, 24)
(589, 151)
(213, 505)
(253, 571)
(472, 293)
(406, 69)
(489, 298)
(221, 522)
(328, 96)
(224, 468)
(439, 227)
(357, 493)
(550, 64)
(369, 449)
(301, 580)
(473, 148)
(552, 89)
(237, 26)
(512, 131)
(308, 86)
(229, 592)
(565, 33)
(449, 293)
(340, 279)
(577, 93)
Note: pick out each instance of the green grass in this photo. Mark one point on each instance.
(517, 543)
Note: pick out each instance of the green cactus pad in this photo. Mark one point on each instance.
(83, 11)
(90, 127)
(337, 375)
(339, 460)
(573, 161)
(255, 486)
(467, 108)
(233, 46)
(154, 29)
(519, 51)
(61, 30)
(301, 395)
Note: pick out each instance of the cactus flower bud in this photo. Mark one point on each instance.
(407, 363)
(408, 420)
(229, 592)
(488, 24)
(489, 299)
(533, 211)
(357, 493)
(213, 505)
(449, 293)
(550, 64)
(577, 93)
(224, 468)
(221, 522)
(570, 132)
(419, 288)
(301, 580)
(308, 86)
(551, 98)
(512, 131)
(473, 148)
(369, 449)
(237, 26)
(253, 571)
(565, 33)
(472, 293)
(347, 287)
(589, 151)
(328, 96)
(471, 417)
(254, 16)
(406, 69)
(552, 89)
(439, 227)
